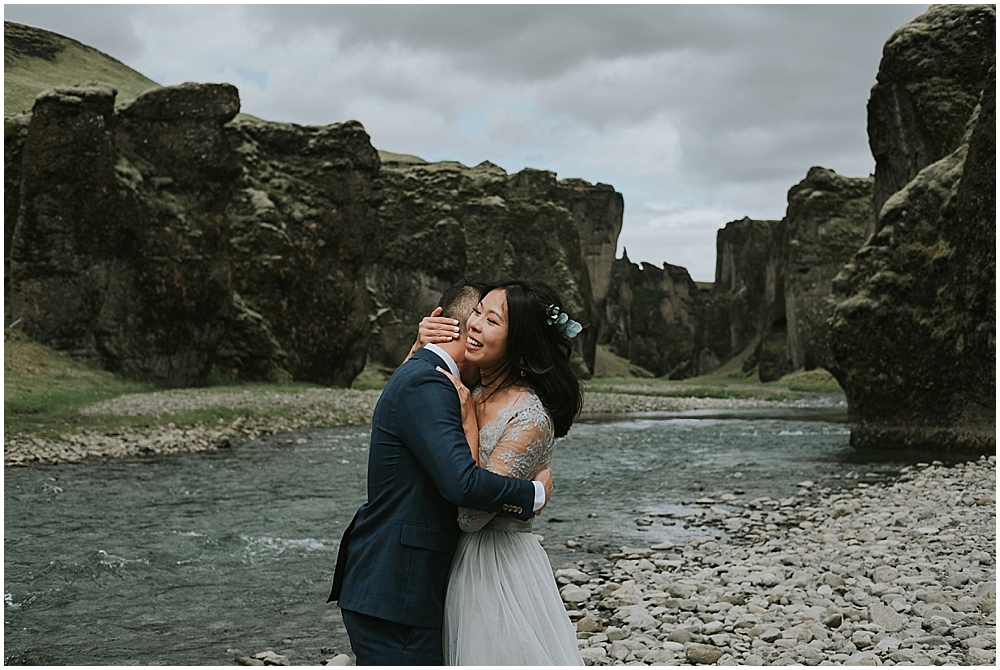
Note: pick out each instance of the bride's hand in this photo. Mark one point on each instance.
(470, 424)
(437, 329)
(434, 329)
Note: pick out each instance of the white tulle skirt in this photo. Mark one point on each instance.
(503, 606)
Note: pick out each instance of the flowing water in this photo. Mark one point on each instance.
(193, 559)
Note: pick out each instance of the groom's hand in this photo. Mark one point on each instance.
(545, 477)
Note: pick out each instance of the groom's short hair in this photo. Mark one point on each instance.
(459, 300)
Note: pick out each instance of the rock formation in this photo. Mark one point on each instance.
(932, 73)
(304, 223)
(119, 251)
(913, 334)
(443, 222)
(826, 222)
(746, 293)
(651, 317)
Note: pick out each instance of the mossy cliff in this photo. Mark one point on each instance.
(738, 310)
(929, 81)
(914, 330)
(304, 224)
(444, 221)
(119, 252)
(826, 222)
(651, 317)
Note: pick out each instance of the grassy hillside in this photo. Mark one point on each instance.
(36, 59)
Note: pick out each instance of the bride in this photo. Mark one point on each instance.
(502, 605)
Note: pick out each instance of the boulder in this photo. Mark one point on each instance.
(119, 255)
(304, 217)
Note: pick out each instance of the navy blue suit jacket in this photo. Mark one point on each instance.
(395, 556)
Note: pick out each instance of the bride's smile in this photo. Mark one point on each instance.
(486, 343)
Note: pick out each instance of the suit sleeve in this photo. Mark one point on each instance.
(429, 421)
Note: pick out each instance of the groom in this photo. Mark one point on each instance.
(392, 569)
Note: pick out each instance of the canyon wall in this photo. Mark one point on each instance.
(118, 254)
(913, 333)
(444, 221)
(651, 317)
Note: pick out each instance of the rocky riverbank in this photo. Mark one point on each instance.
(902, 573)
(279, 412)
(311, 408)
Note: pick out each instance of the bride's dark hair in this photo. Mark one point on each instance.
(538, 353)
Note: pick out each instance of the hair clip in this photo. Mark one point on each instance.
(560, 319)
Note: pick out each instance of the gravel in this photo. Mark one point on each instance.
(901, 573)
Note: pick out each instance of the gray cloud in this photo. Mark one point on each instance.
(105, 27)
(698, 114)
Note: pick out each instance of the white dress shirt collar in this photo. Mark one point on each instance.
(449, 361)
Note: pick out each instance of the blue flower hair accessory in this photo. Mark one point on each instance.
(560, 319)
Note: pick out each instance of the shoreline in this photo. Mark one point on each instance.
(900, 573)
(306, 409)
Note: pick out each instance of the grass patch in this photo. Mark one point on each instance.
(373, 378)
(44, 391)
(25, 77)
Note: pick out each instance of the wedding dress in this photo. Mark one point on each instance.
(502, 606)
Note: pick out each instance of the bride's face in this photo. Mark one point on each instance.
(486, 344)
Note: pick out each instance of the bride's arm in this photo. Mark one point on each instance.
(523, 452)
(434, 329)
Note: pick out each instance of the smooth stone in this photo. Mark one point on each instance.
(614, 634)
(573, 575)
(887, 618)
(977, 656)
(339, 659)
(591, 655)
(571, 593)
(704, 654)
(864, 658)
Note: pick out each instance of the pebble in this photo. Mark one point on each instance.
(861, 583)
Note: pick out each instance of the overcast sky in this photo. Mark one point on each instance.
(697, 114)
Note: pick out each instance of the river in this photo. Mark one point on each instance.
(197, 558)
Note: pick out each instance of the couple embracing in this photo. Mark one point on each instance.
(440, 565)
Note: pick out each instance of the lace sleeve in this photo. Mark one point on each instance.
(519, 446)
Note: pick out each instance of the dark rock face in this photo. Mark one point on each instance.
(304, 224)
(119, 255)
(651, 317)
(932, 72)
(15, 131)
(443, 222)
(826, 223)
(746, 294)
(914, 333)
